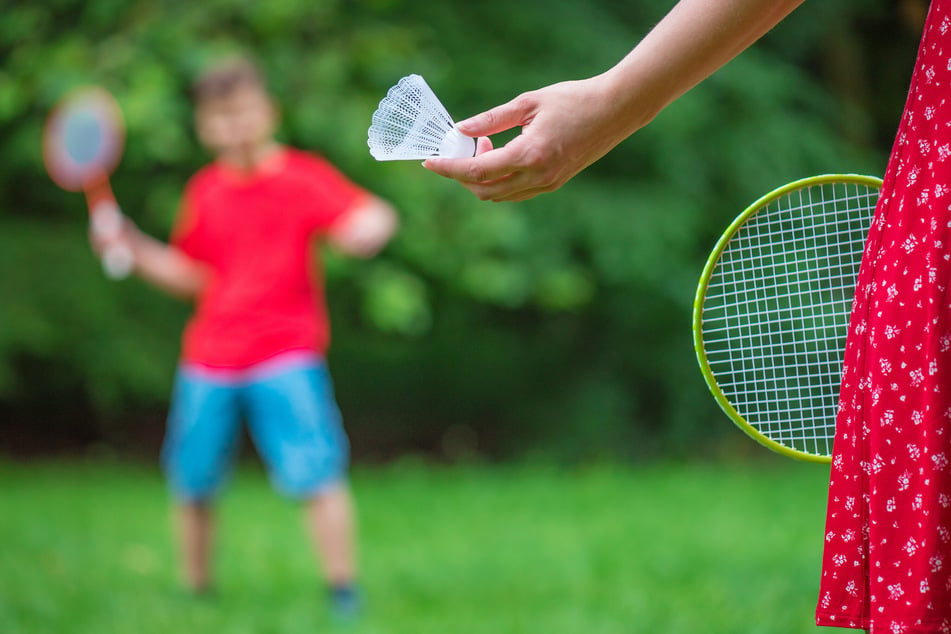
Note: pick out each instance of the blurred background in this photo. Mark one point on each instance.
(558, 326)
(534, 447)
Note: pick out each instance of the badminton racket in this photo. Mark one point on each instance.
(83, 140)
(772, 310)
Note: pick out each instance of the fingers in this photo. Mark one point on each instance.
(487, 166)
(510, 173)
(106, 219)
(517, 187)
(483, 145)
(111, 230)
(509, 115)
(516, 171)
(517, 112)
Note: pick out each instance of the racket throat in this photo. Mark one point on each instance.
(98, 190)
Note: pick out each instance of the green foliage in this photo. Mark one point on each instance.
(679, 549)
(568, 313)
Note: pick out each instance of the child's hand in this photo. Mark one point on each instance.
(363, 231)
(112, 236)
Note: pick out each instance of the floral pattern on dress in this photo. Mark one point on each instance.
(887, 548)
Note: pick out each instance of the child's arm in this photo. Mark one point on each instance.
(365, 229)
(159, 263)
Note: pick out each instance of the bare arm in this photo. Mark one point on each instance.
(570, 125)
(167, 267)
(365, 229)
(159, 263)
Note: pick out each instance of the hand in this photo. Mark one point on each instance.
(565, 128)
(365, 230)
(568, 126)
(112, 237)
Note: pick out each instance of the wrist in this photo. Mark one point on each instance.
(633, 97)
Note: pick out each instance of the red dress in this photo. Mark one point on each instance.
(887, 559)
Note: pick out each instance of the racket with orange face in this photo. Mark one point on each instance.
(83, 141)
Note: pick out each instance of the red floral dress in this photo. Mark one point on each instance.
(887, 559)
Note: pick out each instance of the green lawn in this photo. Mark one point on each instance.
(695, 549)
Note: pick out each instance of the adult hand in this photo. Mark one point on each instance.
(568, 126)
(565, 128)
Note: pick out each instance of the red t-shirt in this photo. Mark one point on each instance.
(256, 231)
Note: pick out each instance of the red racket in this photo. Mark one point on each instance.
(82, 143)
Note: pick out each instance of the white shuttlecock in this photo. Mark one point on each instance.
(411, 124)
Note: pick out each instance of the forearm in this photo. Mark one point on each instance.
(569, 125)
(167, 267)
(696, 38)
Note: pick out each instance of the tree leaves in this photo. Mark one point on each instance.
(590, 287)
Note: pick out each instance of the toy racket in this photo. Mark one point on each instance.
(82, 143)
(772, 310)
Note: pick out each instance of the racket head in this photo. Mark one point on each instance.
(772, 310)
(83, 138)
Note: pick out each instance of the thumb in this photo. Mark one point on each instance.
(514, 113)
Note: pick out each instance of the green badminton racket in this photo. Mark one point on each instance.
(772, 310)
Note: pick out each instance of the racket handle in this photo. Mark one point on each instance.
(106, 221)
(117, 261)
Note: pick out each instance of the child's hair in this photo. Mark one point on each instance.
(223, 77)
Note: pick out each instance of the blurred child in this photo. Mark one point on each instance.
(244, 248)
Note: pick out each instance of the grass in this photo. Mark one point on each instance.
(85, 548)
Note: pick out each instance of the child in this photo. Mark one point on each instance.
(243, 248)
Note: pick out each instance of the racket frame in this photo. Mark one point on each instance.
(94, 179)
(708, 269)
(58, 160)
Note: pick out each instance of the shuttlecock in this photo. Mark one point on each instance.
(411, 124)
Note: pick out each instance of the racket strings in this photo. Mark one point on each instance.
(776, 311)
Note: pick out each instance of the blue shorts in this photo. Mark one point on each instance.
(292, 418)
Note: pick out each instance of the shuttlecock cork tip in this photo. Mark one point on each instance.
(457, 145)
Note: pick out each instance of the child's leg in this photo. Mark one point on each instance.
(200, 443)
(195, 528)
(296, 426)
(330, 520)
